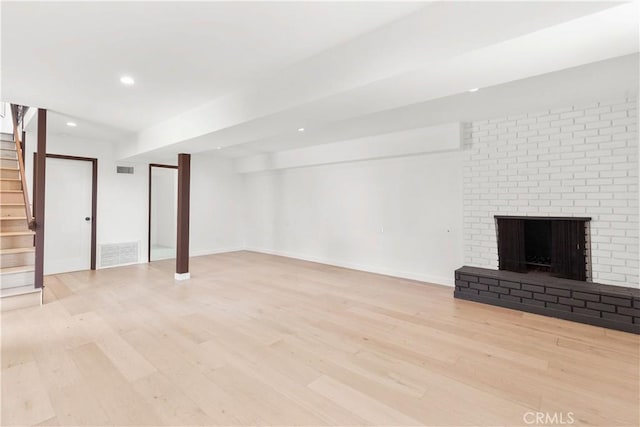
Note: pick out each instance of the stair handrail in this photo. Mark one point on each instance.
(16, 137)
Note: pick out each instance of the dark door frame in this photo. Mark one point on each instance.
(94, 195)
(153, 165)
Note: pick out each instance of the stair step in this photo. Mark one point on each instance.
(17, 250)
(10, 184)
(15, 277)
(11, 209)
(16, 257)
(18, 269)
(16, 233)
(16, 239)
(9, 153)
(11, 173)
(8, 163)
(11, 196)
(5, 136)
(18, 290)
(20, 297)
(13, 223)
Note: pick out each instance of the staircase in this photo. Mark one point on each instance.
(17, 251)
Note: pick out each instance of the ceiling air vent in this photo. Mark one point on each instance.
(125, 169)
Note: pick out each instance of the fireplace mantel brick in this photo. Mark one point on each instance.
(612, 307)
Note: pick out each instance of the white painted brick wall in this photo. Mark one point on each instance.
(574, 161)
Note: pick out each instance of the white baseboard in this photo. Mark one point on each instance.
(436, 280)
(421, 277)
(100, 267)
(160, 258)
(191, 255)
(215, 251)
(16, 299)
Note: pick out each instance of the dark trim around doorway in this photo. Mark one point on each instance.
(152, 165)
(94, 196)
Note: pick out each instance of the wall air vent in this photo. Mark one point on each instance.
(125, 169)
(112, 254)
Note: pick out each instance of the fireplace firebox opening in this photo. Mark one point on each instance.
(552, 246)
(537, 245)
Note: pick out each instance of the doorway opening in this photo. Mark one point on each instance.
(163, 212)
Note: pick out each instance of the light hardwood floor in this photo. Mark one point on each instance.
(254, 339)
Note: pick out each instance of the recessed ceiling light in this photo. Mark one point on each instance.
(475, 89)
(300, 129)
(71, 124)
(218, 148)
(127, 80)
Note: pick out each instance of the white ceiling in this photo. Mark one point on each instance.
(244, 76)
(610, 79)
(68, 56)
(85, 129)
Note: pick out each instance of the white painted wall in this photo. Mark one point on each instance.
(217, 221)
(364, 215)
(6, 120)
(398, 216)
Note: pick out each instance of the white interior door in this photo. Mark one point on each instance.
(67, 233)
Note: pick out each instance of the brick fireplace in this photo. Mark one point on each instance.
(596, 304)
(577, 162)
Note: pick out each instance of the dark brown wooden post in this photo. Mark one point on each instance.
(94, 212)
(38, 196)
(149, 217)
(182, 247)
